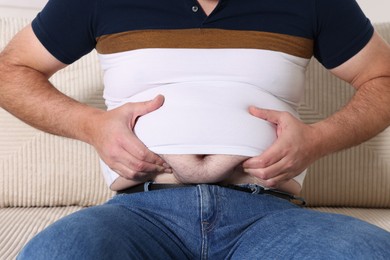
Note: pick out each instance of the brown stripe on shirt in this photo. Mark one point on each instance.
(204, 39)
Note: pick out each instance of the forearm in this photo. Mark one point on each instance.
(27, 94)
(363, 117)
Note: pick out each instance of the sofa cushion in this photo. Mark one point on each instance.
(378, 217)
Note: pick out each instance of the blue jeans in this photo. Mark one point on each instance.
(206, 222)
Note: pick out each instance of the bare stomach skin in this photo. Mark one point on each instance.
(214, 168)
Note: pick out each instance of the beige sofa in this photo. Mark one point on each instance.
(45, 177)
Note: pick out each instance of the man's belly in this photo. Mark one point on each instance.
(214, 168)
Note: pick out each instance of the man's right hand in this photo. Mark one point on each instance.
(113, 137)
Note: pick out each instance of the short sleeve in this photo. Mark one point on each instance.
(66, 28)
(342, 30)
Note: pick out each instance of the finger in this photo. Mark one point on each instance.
(129, 174)
(276, 182)
(268, 172)
(270, 156)
(143, 166)
(130, 166)
(137, 150)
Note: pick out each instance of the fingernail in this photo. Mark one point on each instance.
(160, 169)
(166, 165)
(168, 170)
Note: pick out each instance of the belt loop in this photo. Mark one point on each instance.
(256, 189)
(147, 185)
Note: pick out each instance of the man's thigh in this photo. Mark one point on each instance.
(104, 232)
(307, 234)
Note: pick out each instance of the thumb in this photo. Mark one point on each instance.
(271, 116)
(142, 108)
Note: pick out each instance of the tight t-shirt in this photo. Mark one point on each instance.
(210, 69)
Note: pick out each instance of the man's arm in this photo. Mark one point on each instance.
(25, 91)
(366, 114)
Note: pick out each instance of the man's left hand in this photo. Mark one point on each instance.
(292, 152)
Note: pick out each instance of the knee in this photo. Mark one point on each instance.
(303, 234)
(82, 235)
(344, 237)
(68, 241)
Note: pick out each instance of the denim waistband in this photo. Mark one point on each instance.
(249, 188)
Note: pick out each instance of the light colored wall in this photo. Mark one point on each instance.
(24, 3)
(376, 10)
(21, 8)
